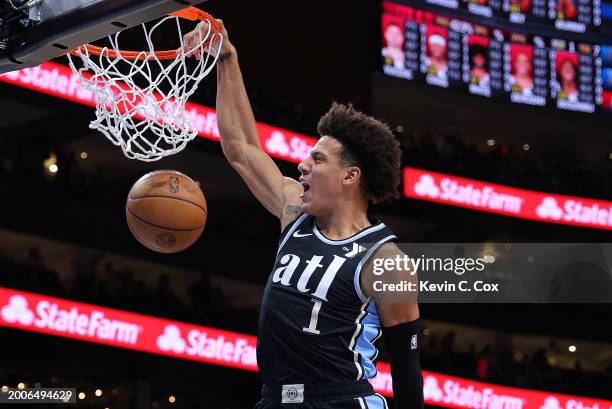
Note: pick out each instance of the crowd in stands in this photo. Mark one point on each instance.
(531, 371)
(558, 170)
(100, 283)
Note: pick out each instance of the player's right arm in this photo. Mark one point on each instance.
(240, 139)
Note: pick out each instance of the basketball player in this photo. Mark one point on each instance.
(320, 318)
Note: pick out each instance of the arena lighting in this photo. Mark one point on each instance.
(488, 258)
(610, 156)
(526, 147)
(490, 142)
(98, 392)
(85, 322)
(21, 385)
(171, 399)
(507, 201)
(572, 348)
(50, 164)
(4, 388)
(83, 155)
(81, 395)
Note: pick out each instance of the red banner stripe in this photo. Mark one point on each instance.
(507, 201)
(89, 323)
(59, 81)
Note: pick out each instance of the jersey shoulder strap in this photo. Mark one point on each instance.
(372, 243)
(289, 229)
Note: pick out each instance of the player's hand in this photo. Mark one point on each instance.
(202, 39)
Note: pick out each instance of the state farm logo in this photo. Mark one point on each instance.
(549, 209)
(551, 403)
(17, 311)
(574, 211)
(465, 395)
(293, 147)
(426, 187)
(50, 317)
(431, 390)
(476, 195)
(277, 143)
(171, 340)
(201, 344)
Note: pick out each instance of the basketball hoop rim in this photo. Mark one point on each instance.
(188, 13)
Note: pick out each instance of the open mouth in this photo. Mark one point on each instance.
(306, 187)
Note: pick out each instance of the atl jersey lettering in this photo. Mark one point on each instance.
(315, 324)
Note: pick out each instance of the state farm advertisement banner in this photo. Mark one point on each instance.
(57, 80)
(84, 322)
(508, 201)
(90, 323)
(451, 392)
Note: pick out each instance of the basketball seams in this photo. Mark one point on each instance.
(153, 174)
(167, 197)
(161, 227)
(176, 200)
(143, 241)
(150, 246)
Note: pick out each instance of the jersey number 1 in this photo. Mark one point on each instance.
(314, 318)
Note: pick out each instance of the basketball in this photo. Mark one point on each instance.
(166, 211)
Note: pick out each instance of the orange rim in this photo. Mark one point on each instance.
(189, 13)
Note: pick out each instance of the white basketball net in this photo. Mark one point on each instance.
(140, 104)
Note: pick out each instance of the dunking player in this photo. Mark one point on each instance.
(320, 318)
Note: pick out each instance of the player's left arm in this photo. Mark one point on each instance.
(399, 315)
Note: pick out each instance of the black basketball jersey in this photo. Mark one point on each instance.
(315, 324)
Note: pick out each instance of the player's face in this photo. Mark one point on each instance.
(522, 64)
(479, 61)
(322, 175)
(438, 50)
(394, 36)
(568, 73)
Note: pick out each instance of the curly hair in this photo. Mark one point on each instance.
(368, 144)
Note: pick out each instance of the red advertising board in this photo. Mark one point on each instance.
(58, 80)
(89, 323)
(507, 201)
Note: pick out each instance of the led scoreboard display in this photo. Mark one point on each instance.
(568, 15)
(520, 66)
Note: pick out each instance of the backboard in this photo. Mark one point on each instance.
(33, 31)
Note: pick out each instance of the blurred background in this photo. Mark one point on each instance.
(63, 231)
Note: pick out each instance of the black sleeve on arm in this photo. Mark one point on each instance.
(402, 344)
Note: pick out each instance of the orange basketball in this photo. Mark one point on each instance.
(166, 211)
